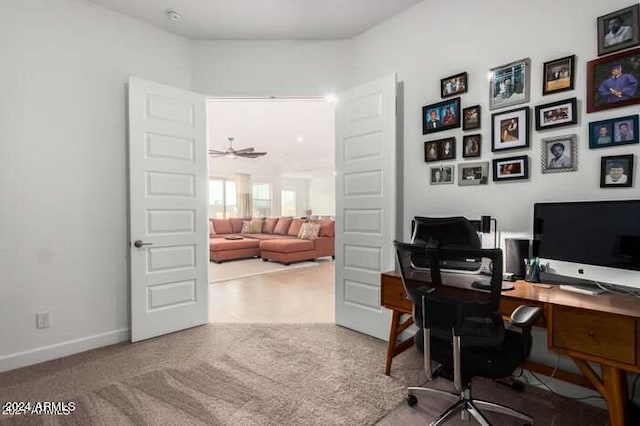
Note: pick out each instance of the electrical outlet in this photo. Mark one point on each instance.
(43, 320)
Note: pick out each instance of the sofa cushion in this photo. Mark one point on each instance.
(245, 227)
(220, 244)
(255, 226)
(267, 236)
(222, 226)
(269, 225)
(283, 226)
(309, 231)
(295, 226)
(211, 230)
(327, 228)
(236, 225)
(291, 245)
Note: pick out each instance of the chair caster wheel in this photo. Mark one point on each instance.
(412, 400)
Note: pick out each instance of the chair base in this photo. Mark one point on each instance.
(465, 405)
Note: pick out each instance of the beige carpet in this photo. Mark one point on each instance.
(234, 269)
(234, 374)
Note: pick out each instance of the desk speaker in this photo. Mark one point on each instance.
(516, 251)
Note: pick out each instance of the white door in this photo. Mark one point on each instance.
(167, 209)
(365, 203)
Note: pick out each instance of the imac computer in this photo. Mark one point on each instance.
(595, 241)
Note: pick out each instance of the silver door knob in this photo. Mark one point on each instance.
(139, 243)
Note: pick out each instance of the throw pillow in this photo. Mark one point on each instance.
(255, 226)
(294, 228)
(246, 226)
(283, 226)
(269, 225)
(309, 231)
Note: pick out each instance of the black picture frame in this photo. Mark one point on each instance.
(454, 85)
(558, 75)
(440, 150)
(609, 133)
(510, 168)
(556, 114)
(601, 79)
(472, 117)
(471, 145)
(441, 110)
(515, 123)
(627, 35)
(616, 171)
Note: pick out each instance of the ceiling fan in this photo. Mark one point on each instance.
(233, 153)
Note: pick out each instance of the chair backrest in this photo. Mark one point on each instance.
(445, 291)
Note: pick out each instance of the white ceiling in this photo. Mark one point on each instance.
(273, 126)
(263, 19)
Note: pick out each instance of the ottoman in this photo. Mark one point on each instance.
(221, 249)
(287, 250)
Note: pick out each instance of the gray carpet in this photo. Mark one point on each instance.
(232, 374)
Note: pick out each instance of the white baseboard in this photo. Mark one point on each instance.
(59, 350)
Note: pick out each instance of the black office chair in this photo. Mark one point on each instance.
(462, 329)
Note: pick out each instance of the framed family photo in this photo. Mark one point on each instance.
(439, 150)
(471, 145)
(453, 85)
(510, 129)
(441, 116)
(471, 118)
(473, 173)
(556, 114)
(558, 75)
(560, 154)
(613, 132)
(618, 30)
(512, 168)
(612, 81)
(616, 171)
(441, 175)
(509, 84)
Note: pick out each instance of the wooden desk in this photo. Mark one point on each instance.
(603, 329)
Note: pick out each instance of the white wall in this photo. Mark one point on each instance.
(63, 170)
(301, 188)
(322, 194)
(271, 68)
(436, 39)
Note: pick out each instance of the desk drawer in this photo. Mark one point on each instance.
(595, 333)
(394, 296)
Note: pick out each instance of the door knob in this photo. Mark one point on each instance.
(139, 243)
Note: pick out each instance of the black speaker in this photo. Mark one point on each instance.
(516, 251)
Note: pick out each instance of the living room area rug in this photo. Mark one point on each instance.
(234, 269)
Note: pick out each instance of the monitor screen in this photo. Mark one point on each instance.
(603, 233)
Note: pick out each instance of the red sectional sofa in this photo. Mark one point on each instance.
(277, 240)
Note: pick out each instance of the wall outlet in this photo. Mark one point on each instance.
(43, 320)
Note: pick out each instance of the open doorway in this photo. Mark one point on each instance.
(277, 273)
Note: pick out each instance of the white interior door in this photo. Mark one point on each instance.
(365, 203)
(167, 208)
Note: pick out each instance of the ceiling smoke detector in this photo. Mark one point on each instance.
(174, 15)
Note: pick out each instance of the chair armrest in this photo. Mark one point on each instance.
(525, 316)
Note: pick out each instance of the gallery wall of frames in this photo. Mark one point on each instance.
(611, 82)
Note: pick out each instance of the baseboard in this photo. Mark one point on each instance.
(59, 350)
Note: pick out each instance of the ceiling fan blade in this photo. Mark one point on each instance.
(252, 154)
(213, 151)
(243, 150)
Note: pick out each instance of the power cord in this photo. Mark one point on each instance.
(609, 289)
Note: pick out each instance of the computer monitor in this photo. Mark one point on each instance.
(596, 241)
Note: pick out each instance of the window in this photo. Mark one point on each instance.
(288, 203)
(261, 199)
(222, 198)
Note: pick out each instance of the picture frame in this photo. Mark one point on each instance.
(440, 150)
(471, 146)
(614, 132)
(471, 117)
(473, 173)
(558, 75)
(441, 116)
(509, 84)
(511, 168)
(616, 171)
(441, 175)
(556, 114)
(612, 81)
(618, 30)
(510, 129)
(560, 154)
(454, 85)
